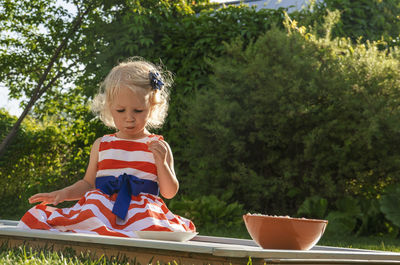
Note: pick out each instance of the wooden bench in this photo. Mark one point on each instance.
(199, 250)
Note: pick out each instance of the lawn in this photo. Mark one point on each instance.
(372, 243)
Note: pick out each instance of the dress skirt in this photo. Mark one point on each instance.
(93, 214)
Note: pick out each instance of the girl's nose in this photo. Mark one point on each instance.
(130, 116)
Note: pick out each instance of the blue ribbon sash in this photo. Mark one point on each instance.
(126, 186)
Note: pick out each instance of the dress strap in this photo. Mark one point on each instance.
(126, 186)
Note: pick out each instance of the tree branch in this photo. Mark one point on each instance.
(38, 91)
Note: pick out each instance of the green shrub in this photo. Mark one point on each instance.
(290, 117)
(368, 20)
(313, 207)
(44, 156)
(210, 214)
(343, 221)
(352, 215)
(389, 205)
(32, 163)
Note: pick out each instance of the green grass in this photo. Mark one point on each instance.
(24, 255)
(383, 243)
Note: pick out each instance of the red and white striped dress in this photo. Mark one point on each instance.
(93, 212)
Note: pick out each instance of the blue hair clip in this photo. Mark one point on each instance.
(155, 81)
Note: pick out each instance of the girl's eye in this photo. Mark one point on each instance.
(138, 110)
(120, 110)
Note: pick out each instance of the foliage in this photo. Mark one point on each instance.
(31, 33)
(343, 221)
(171, 32)
(38, 57)
(24, 164)
(208, 212)
(370, 20)
(351, 215)
(389, 204)
(313, 207)
(45, 156)
(292, 116)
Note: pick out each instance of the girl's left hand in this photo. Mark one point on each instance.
(159, 149)
(164, 161)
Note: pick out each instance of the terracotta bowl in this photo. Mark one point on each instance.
(279, 232)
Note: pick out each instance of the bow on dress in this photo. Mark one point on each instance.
(126, 186)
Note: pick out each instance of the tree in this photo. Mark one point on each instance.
(44, 50)
(365, 20)
(38, 50)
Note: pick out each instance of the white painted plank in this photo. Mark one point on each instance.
(8, 222)
(199, 247)
(309, 254)
(217, 246)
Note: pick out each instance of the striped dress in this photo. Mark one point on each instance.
(93, 213)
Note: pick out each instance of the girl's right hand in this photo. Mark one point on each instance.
(54, 197)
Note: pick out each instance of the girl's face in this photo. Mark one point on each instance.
(130, 111)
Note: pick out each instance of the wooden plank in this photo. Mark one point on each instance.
(310, 254)
(225, 240)
(107, 240)
(202, 249)
(329, 261)
(8, 222)
(141, 255)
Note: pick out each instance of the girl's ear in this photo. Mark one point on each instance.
(151, 109)
(152, 101)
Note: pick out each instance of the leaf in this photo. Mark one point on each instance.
(390, 205)
(313, 207)
(348, 205)
(340, 223)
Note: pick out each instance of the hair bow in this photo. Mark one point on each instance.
(155, 81)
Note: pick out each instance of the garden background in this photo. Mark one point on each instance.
(282, 114)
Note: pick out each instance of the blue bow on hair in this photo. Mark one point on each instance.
(126, 186)
(155, 81)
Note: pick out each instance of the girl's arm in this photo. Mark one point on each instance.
(76, 190)
(164, 160)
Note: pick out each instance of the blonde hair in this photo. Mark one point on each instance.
(134, 74)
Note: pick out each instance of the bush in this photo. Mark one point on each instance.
(212, 215)
(44, 156)
(290, 117)
(368, 20)
(31, 163)
(355, 215)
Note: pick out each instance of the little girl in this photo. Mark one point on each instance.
(127, 170)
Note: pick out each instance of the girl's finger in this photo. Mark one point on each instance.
(35, 199)
(38, 198)
(56, 200)
(36, 195)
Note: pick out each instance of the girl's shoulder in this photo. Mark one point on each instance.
(155, 137)
(108, 137)
(114, 137)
